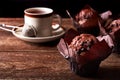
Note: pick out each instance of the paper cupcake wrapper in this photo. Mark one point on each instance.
(88, 63)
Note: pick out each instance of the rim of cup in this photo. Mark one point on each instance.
(38, 11)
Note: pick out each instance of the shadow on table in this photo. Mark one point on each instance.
(47, 44)
(109, 73)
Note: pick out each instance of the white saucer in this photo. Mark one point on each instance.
(56, 35)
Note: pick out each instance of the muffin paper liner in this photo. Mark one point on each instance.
(87, 64)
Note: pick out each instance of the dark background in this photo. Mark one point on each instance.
(15, 8)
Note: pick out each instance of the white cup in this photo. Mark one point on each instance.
(38, 22)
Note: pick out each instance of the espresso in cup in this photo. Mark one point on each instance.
(38, 22)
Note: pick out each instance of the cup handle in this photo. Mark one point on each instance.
(57, 22)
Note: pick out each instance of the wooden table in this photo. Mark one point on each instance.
(24, 60)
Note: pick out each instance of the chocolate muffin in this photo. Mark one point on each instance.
(79, 45)
(86, 21)
(84, 52)
(114, 30)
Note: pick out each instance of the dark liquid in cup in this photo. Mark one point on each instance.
(37, 11)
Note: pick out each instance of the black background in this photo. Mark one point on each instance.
(15, 8)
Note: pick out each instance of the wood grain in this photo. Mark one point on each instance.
(22, 60)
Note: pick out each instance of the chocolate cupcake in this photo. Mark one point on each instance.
(114, 30)
(85, 52)
(86, 21)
